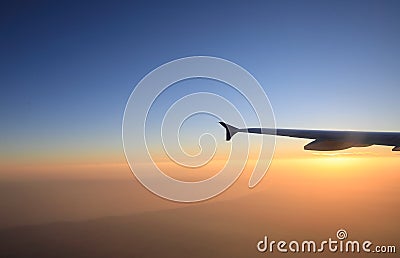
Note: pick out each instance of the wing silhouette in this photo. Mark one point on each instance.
(326, 140)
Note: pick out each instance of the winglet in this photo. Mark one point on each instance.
(230, 130)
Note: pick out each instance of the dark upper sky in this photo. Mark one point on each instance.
(68, 67)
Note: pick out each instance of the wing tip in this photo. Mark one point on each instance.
(230, 130)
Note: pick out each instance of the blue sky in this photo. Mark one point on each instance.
(68, 67)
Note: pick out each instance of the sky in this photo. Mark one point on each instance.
(68, 67)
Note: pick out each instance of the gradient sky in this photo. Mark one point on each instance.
(67, 71)
(68, 67)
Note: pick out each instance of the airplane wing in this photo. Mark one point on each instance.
(326, 140)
